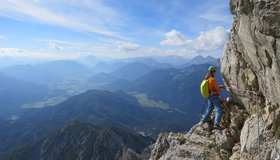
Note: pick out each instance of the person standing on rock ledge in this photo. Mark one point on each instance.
(213, 99)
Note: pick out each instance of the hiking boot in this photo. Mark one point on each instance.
(217, 127)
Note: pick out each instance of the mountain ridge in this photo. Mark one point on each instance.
(15, 92)
(176, 87)
(91, 143)
(98, 108)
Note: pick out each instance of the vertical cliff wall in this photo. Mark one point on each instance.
(251, 70)
(251, 59)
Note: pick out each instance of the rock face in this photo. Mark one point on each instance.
(251, 60)
(251, 72)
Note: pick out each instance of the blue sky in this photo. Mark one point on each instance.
(113, 28)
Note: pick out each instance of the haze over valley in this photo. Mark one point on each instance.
(141, 96)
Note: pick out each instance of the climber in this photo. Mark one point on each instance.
(213, 99)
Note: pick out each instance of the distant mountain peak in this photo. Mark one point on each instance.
(198, 57)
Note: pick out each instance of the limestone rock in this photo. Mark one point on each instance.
(201, 142)
(130, 154)
(251, 70)
(251, 59)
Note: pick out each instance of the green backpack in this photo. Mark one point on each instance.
(204, 88)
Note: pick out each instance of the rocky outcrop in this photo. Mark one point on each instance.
(130, 154)
(251, 72)
(202, 141)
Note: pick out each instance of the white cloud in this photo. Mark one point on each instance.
(11, 52)
(53, 45)
(93, 17)
(157, 52)
(40, 54)
(127, 46)
(211, 40)
(184, 52)
(174, 38)
(61, 44)
(206, 41)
